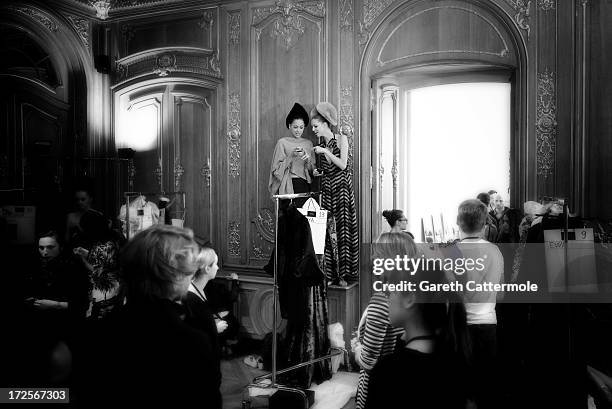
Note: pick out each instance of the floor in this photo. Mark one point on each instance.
(236, 376)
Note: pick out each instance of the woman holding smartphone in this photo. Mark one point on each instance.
(292, 161)
(337, 186)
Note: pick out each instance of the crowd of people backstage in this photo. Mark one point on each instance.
(114, 321)
(443, 350)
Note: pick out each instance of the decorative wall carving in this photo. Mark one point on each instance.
(127, 32)
(102, 8)
(206, 173)
(36, 15)
(234, 28)
(159, 175)
(347, 117)
(363, 36)
(546, 5)
(233, 133)
(264, 222)
(163, 62)
(233, 240)
(179, 171)
(288, 23)
(372, 9)
(263, 242)
(394, 172)
(207, 20)
(521, 16)
(546, 123)
(131, 174)
(346, 15)
(81, 26)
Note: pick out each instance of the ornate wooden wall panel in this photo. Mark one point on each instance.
(194, 29)
(287, 65)
(192, 157)
(236, 127)
(599, 108)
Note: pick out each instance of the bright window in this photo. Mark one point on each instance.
(457, 145)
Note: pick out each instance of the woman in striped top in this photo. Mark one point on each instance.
(376, 336)
(337, 186)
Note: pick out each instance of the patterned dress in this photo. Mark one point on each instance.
(339, 198)
(378, 338)
(105, 294)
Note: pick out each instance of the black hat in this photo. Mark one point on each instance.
(297, 112)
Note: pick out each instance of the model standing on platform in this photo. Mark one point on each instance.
(292, 161)
(337, 186)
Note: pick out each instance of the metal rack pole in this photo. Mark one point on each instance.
(275, 292)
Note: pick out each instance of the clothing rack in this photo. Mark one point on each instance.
(128, 195)
(272, 375)
(277, 199)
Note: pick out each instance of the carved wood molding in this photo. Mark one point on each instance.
(164, 61)
(81, 26)
(287, 17)
(372, 9)
(206, 172)
(36, 15)
(546, 123)
(264, 223)
(347, 116)
(260, 312)
(234, 28)
(207, 21)
(233, 239)
(546, 5)
(346, 15)
(503, 52)
(522, 12)
(234, 134)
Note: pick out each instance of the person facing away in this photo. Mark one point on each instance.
(480, 305)
(200, 313)
(429, 371)
(143, 353)
(376, 337)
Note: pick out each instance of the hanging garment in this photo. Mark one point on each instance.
(142, 215)
(317, 219)
(303, 300)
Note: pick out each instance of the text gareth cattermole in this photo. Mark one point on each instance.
(404, 263)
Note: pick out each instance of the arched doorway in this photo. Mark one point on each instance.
(419, 45)
(43, 114)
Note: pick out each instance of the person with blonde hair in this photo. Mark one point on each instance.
(144, 354)
(200, 313)
(337, 194)
(376, 337)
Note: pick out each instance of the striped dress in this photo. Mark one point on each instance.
(339, 198)
(378, 338)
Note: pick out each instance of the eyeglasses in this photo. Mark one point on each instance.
(402, 220)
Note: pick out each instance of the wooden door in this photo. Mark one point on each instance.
(170, 126)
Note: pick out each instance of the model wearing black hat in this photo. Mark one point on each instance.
(292, 161)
